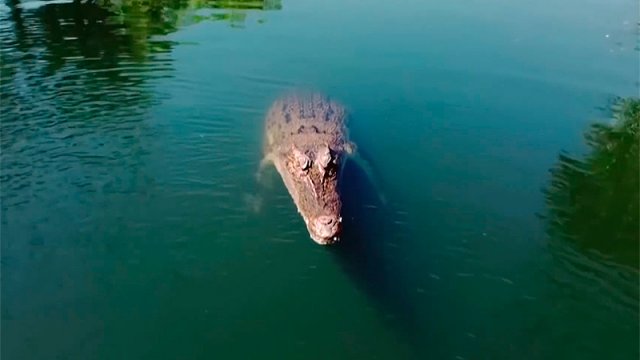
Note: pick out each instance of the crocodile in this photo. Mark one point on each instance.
(306, 139)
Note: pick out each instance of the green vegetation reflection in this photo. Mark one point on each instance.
(593, 201)
(81, 69)
(154, 17)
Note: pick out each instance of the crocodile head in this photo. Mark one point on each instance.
(310, 173)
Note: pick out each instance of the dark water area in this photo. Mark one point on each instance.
(498, 218)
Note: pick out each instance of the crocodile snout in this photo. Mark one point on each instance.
(325, 229)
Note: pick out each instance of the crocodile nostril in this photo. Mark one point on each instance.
(326, 220)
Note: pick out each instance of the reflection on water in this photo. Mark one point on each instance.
(77, 82)
(593, 224)
(81, 73)
(593, 202)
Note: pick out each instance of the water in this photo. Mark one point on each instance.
(132, 227)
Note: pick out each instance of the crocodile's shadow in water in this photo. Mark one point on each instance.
(371, 257)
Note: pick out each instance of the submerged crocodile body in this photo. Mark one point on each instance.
(306, 139)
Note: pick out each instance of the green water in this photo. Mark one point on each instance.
(132, 227)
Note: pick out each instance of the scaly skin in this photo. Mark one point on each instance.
(306, 140)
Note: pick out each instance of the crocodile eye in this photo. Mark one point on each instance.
(303, 162)
(324, 157)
